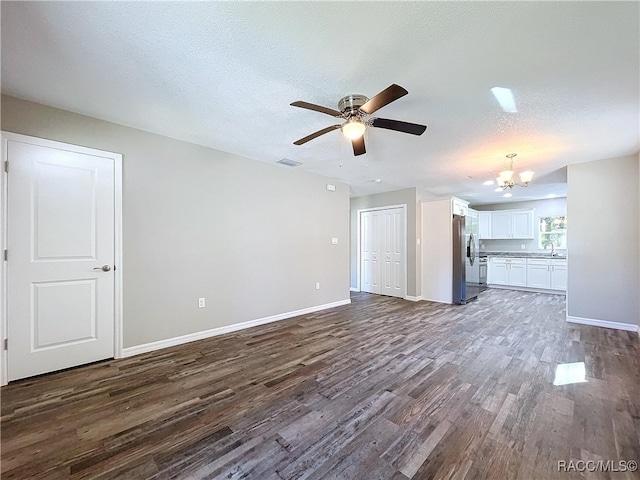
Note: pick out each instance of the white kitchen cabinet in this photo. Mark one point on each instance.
(538, 273)
(558, 274)
(484, 224)
(507, 271)
(550, 274)
(517, 272)
(498, 273)
(460, 207)
(512, 224)
(522, 224)
(501, 224)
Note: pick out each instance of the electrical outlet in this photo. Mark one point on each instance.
(317, 285)
(334, 241)
(201, 303)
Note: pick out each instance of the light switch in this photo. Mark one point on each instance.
(334, 241)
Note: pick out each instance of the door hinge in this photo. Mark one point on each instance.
(6, 344)
(6, 255)
(6, 166)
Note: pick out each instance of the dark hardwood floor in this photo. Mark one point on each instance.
(379, 389)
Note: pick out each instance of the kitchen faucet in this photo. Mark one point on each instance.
(553, 251)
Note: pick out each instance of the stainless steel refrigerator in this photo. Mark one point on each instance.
(466, 269)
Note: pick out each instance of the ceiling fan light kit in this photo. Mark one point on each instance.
(356, 111)
(353, 128)
(505, 178)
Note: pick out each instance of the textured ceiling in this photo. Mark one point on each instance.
(223, 75)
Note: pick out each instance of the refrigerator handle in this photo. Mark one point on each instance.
(471, 249)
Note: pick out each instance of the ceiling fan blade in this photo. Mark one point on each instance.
(316, 134)
(358, 146)
(317, 108)
(398, 126)
(385, 97)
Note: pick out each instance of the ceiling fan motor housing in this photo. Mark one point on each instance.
(351, 103)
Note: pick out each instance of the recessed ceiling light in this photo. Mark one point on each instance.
(488, 182)
(551, 195)
(499, 189)
(378, 180)
(505, 99)
(506, 195)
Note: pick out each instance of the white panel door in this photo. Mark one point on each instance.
(61, 211)
(369, 254)
(393, 253)
(382, 252)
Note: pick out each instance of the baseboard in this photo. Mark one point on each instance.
(191, 337)
(354, 289)
(413, 299)
(630, 327)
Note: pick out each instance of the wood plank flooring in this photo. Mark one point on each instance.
(379, 389)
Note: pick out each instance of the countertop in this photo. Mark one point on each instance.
(523, 255)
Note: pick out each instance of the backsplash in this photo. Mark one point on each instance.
(506, 245)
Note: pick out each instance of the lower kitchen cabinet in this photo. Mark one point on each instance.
(542, 273)
(558, 274)
(538, 273)
(507, 271)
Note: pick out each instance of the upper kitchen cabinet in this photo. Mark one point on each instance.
(512, 224)
(460, 207)
(484, 225)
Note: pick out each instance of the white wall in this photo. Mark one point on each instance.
(251, 238)
(603, 209)
(543, 208)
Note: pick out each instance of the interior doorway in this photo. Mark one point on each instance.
(382, 247)
(61, 276)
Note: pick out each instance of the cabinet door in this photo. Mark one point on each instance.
(484, 224)
(539, 276)
(460, 208)
(499, 272)
(518, 275)
(501, 224)
(559, 277)
(522, 224)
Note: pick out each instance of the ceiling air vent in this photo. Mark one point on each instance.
(289, 163)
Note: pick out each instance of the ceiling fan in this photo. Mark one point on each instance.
(356, 112)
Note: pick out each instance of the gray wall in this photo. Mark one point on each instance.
(543, 208)
(252, 238)
(398, 197)
(604, 234)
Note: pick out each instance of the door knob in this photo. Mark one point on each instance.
(104, 268)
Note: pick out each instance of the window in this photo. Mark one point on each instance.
(552, 230)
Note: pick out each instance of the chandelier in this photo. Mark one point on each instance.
(505, 179)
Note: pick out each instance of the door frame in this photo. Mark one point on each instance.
(4, 211)
(403, 206)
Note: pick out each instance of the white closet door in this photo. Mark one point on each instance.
(383, 252)
(370, 252)
(393, 255)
